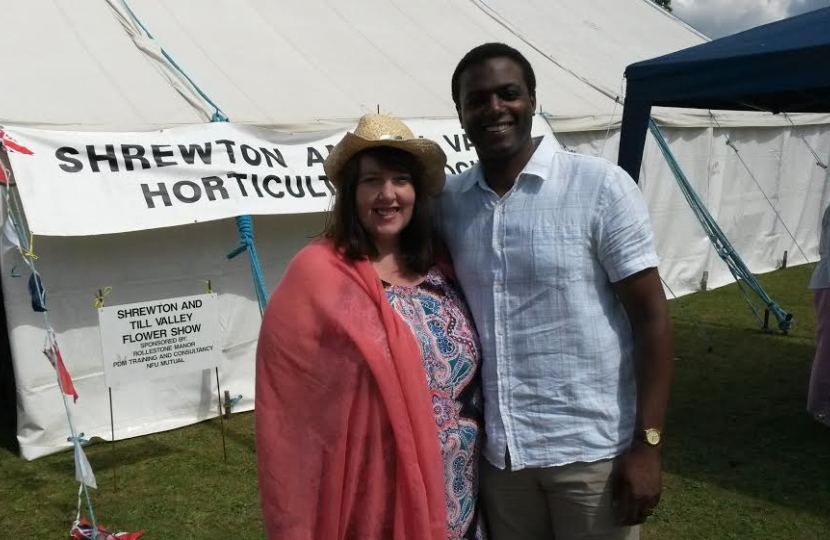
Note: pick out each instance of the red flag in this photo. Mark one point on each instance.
(12, 145)
(54, 356)
(83, 531)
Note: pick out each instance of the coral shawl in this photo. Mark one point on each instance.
(346, 441)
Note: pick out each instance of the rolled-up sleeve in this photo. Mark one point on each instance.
(625, 239)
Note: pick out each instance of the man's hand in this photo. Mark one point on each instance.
(638, 483)
(638, 479)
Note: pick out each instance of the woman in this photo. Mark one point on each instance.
(367, 398)
(818, 393)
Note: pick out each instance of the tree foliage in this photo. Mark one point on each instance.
(665, 4)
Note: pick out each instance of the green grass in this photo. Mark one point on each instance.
(742, 458)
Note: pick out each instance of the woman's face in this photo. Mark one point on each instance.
(385, 199)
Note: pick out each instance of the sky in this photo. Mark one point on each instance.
(718, 18)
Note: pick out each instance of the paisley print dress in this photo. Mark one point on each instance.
(443, 327)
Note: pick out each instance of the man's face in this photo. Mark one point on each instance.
(495, 108)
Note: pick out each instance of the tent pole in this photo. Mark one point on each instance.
(636, 114)
(112, 435)
(221, 418)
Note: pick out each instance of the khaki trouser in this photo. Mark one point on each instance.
(571, 502)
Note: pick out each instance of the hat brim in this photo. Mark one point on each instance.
(428, 153)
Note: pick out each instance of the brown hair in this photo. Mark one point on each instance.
(347, 233)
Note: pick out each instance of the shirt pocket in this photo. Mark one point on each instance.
(558, 256)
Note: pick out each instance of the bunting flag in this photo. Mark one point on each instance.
(11, 145)
(83, 531)
(54, 356)
(83, 470)
(37, 293)
(8, 239)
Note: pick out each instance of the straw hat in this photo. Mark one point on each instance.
(375, 130)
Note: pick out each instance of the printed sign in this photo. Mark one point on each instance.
(156, 339)
(76, 184)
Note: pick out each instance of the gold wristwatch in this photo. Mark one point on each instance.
(650, 436)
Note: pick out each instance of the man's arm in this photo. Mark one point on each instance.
(640, 483)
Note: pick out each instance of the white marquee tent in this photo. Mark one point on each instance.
(316, 66)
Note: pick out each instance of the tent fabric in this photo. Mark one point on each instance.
(296, 66)
(596, 41)
(608, 39)
(778, 67)
(315, 65)
(75, 68)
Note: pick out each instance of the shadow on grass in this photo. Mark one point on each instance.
(737, 416)
(238, 430)
(104, 457)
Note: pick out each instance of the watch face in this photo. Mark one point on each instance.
(652, 436)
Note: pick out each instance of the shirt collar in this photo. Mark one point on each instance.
(539, 165)
(541, 161)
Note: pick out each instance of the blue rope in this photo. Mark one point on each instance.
(218, 116)
(722, 245)
(243, 223)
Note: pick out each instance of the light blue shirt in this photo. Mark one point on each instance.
(536, 267)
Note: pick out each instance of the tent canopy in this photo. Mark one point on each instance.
(778, 67)
(308, 66)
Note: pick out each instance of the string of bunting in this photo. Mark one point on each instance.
(83, 471)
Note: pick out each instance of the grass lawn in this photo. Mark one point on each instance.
(742, 459)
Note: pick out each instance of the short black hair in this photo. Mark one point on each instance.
(485, 52)
(343, 226)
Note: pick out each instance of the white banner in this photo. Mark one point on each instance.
(77, 184)
(147, 340)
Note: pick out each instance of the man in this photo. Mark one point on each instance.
(556, 257)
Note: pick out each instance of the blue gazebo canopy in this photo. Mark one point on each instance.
(779, 67)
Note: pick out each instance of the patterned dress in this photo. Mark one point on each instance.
(439, 318)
